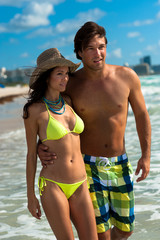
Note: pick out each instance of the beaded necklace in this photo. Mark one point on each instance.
(53, 105)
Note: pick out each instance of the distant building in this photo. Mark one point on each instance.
(126, 64)
(16, 76)
(3, 73)
(146, 59)
(156, 69)
(142, 69)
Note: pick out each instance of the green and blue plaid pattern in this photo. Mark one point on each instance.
(111, 189)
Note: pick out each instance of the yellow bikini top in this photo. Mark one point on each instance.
(56, 130)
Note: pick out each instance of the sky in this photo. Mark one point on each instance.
(28, 27)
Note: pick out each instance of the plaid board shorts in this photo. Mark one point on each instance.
(111, 189)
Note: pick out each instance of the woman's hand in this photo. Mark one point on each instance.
(34, 207)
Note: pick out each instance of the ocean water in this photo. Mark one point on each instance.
(15, 221)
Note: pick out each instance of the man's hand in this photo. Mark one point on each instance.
(144, 165)
(45, 157)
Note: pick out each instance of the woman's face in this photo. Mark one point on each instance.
(58, 79)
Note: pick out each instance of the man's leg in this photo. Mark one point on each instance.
(105, 235)
(100, 201)
(119, 201)
(117, 234)
(114, 234)
(122, 203)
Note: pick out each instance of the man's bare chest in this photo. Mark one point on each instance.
(105, 97)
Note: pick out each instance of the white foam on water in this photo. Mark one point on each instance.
(155, 216)
(148, 207)
(12, 135)
(4, 204)
(16, 222)
(3, 211)
(143, 231)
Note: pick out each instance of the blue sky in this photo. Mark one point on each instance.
(28, 27)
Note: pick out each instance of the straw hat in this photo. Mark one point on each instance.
(48, 59)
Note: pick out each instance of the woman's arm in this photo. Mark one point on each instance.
(31, 127)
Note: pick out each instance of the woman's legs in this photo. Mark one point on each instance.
(56, 208)
(82, 213)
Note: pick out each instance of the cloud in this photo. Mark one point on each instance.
(42, 32)
(154, 48)
(34, 15)
(151, 48)
(158, 15)
(133, 34)
(58, 42)
(13, 40)
(69, 25)
(84, 1)
(137, 54)
(19, 3)
(158, 3)
(73, 24)
(2, 28)
(138, 23)
(141, 39)
(24, 55)
(117, 53)
(16, 3)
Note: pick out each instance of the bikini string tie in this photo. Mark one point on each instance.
(41, 184)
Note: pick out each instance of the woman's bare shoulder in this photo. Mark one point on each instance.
(35, 109)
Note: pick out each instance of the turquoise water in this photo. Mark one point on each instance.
(147, 192)
(15, 220)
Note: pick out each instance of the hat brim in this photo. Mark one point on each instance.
(51, 64)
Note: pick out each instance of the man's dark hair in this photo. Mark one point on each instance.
(85, 34)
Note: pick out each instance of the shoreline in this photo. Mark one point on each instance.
(8, 93)
(11, 124)
(11, 119)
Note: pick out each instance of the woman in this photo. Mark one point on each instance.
(63, 187)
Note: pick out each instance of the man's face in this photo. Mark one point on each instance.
(93, 56)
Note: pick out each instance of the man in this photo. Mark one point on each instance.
(100, 94)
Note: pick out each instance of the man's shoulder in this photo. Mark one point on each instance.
(73, 83)
(121, 69)
(123, 72)
(76, 75)
(75, 79)
(124, 75)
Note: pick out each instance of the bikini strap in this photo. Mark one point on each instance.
(71, 108)
(47, 108)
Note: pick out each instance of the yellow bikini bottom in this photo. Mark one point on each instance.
(68, 189)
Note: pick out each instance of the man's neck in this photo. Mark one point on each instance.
(95, 74)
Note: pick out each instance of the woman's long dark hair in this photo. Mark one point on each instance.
(37, 91)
